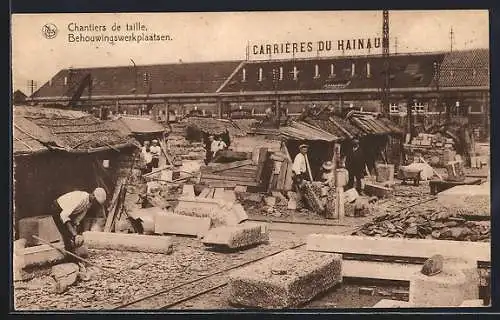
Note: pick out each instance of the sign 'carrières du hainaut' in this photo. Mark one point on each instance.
(316, 46)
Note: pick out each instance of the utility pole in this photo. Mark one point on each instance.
(385, 55)
(451, 39)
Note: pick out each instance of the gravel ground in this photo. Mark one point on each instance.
(345, 295)
(140, 274)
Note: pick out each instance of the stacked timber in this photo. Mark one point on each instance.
(425, 224)
(230, 175)
(180, 148)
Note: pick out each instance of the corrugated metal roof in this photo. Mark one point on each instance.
(141, 125)
(304, 131)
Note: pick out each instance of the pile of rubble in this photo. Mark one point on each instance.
(425, 224)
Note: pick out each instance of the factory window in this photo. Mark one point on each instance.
(260, 74)
(281, 73)
(368, 70)
(65, 81)
(394, 108)
(332, 70)
(295, 73)
(244, 75)
(316, 71)
(353, 69)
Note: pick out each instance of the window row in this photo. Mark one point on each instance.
(278, 73)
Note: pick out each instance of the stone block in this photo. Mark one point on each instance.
(188, 190)
(234, 237)
(379, 191)
(170, 223)
(239, 189)
(472, 303)
(128, 242)
(456, 283)
(64, 274)
(285, 280)
(385, 172)
(41, 226)
(387, 303)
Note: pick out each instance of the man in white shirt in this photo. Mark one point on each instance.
(299, 167)
(69, 210)
(155, 153)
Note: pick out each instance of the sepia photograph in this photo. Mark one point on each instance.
(251, 160)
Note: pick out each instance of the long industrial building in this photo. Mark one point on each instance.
(431, 83)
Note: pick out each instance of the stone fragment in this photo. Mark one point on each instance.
(239, 236)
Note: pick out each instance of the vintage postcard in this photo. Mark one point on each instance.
(235, 160)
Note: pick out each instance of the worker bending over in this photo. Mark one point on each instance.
(70, 209)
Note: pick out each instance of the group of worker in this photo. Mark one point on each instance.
(354, 161)
(150, 155)
(216, 145)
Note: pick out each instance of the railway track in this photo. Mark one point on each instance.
(175, 295)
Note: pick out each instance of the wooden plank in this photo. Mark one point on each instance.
(413, 248)
(288, 186)
(220, 183)
(261, 163)
(225, 166)
(282, 175)
(128, 242)
(226, 178)
(114, 204)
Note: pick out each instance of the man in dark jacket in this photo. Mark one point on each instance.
(355, 164)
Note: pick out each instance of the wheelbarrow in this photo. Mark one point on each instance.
(405, 173)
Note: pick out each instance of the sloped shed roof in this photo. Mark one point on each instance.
(214, 126)
(465, 68)
(301, 130)
(141, 125)
(43, 129)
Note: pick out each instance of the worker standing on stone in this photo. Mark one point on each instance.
(299, 167)
(155, 154)
(145, 145)
(355, 164)
(70, 209)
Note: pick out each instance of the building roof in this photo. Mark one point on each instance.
(301, 130)
(199, 77)
(43, 129)
(465, 68)
(139, 125)
(214, 126)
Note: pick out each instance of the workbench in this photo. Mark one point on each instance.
(441, 185)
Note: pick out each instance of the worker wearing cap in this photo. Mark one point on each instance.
(355, 164)
(328, 175)
(299, 166)
(70, 209)
(155, 153)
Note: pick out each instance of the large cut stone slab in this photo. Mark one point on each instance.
(128, 242)
(239, 236)
(467, 199)
(179, 224)
(285, 280)
(221, 212)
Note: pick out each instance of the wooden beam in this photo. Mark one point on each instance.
(226, 166)
(226, 178)
(217, 183)
(128, 242)
(412, 248)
